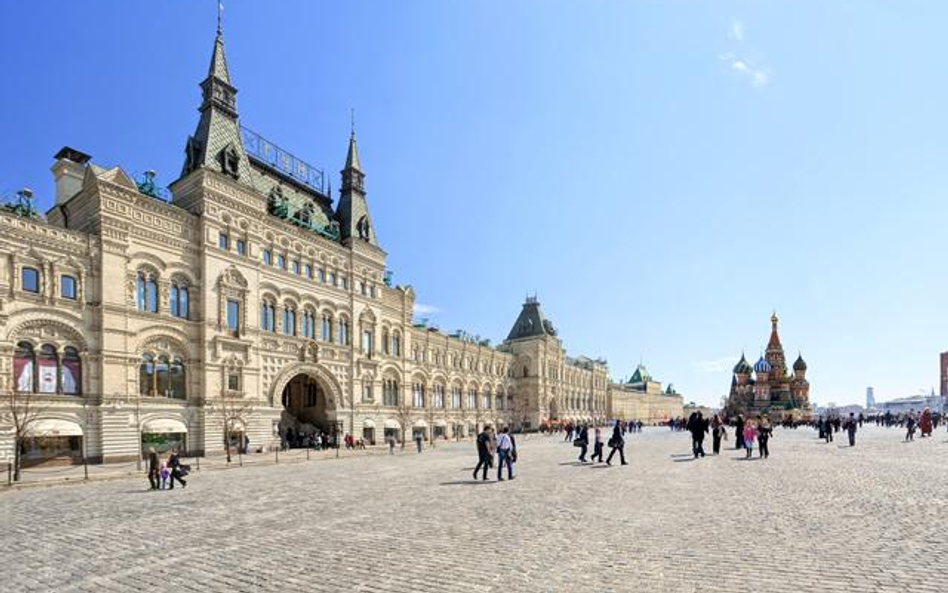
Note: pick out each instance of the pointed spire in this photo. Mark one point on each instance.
(218, 68)
(352, 157)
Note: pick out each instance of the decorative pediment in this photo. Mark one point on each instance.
(232, 278)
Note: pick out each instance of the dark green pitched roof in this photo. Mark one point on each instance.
(641, 375)
(531, 323)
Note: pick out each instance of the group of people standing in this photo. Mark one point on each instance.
(746, 432)
(489, 443)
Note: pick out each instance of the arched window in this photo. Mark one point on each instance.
(455, 396)
(438, 396)
(390, 392)
(396, 344)
(71, 372)
(472, 398)
(418, 395)
(343, 331)
(267, 320)
(485, 398)
(386, 345)
(146, 375)
(289, 321)
(67, 287)
(162, 384)
(24, 367)
(176, 380)
(30, 277)
(147, 293)
(308, 324)
(178, 295)
(48, 366)
(325, 330)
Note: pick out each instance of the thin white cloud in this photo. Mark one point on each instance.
(423, 309)
(737, 30)
(739, 61)
(716, 365)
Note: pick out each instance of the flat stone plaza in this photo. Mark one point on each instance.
(814, 517)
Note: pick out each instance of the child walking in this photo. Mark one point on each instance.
(750, 433)
(164, 475)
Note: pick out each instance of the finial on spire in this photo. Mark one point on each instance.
(352, 122)
(220, 17)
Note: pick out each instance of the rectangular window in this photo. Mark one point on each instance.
(233, 315)
(223, 241)
(321, 275)
(281, 261)
(308, 271)
(267, 257)
(296, 268)
(332, 278)
(345, 283)
(233, 381)
(67, 287)
(367, 396)
(30, 280)
(241, 247)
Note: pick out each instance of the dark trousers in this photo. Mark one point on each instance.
(716, 443)
(484, 462)
(176, 475)
(852, 438)
(738, 439)
(597, 452)
(621, 450)
(582, 452)
(697, 445)
(153, 478)
(503, 458)
(764, 449)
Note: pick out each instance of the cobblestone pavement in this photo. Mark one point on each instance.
(814, 517)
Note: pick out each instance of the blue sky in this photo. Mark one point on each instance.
(662, 173)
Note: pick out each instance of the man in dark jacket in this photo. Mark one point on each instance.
(698, 427)
(484, 455)
(739, 432)
(617, 443)
(154, 468)
(582, 441)
(177, 470)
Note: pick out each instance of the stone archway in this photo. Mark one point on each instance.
(310, 398)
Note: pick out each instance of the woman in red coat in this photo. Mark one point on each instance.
(925, 423)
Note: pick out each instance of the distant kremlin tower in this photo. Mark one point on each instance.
(767, 388)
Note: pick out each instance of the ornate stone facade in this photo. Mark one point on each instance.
(245, 296)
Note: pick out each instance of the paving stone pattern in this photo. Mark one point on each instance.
(814, 517)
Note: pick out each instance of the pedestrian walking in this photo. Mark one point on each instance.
(764, 432)
(597, 445)
(749, 434)
(718, 432)
(582, 441)
(698, 427)
(504, 452)
(616, 443)
(418, 441)
(154, 467)
(739, 432)
(484, 456)
(391, 444)
(851, 425)
(178, 471)
(910, 427)
(828, 429)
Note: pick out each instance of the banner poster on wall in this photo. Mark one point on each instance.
(47, 376)
(71, 377)
(23, 371)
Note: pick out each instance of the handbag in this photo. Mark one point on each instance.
(579, 443)
(612, 442)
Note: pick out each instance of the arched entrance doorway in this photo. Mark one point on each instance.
(309, 416)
